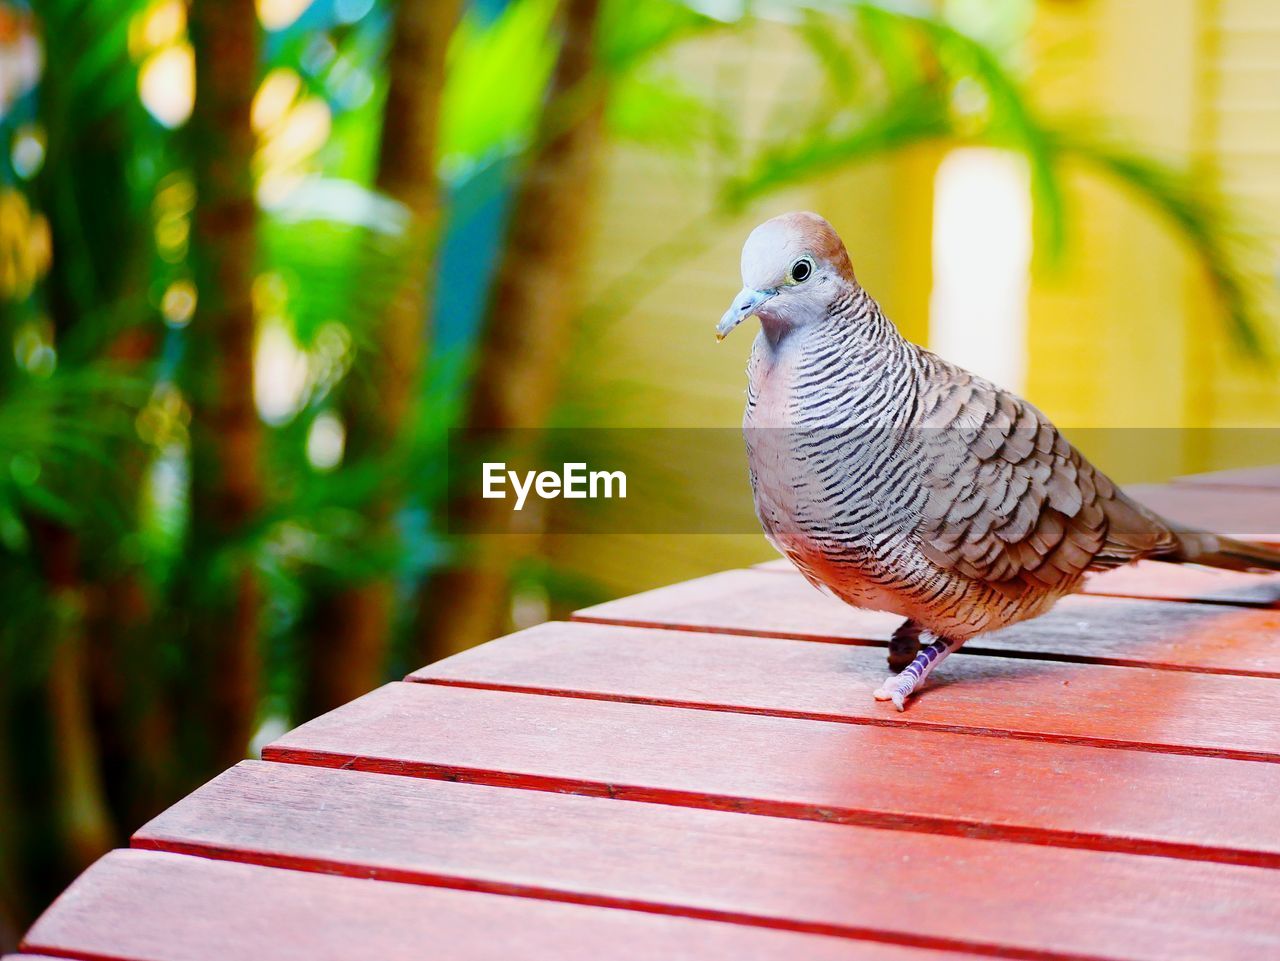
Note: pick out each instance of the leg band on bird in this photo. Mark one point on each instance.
(901, 686)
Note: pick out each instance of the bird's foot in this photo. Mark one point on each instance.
(901, 686)
(897, 689)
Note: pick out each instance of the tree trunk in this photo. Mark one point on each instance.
(351, 626)
(527, 326)
(226, 434)
(407, 173)
(13, 897)
(132, 714)
(84, 825)
(102, 262)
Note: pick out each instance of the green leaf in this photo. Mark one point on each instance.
(482, 111)
(1204, 219)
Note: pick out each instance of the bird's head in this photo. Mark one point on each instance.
(793, 268)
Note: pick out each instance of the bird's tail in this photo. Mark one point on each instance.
(1215, 550)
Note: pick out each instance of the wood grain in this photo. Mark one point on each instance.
(1175, 711)
(1100, 630)
(902, 778)
(842, 880)
(149, 906)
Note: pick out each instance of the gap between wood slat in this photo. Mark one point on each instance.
(888, 720)
(1236, 514)
(1227, 488)
(114, 906)
(1120, 584)
(647, 855)
(1261, 478)
(1217, 601)
(1200, 638)
(970, 648)
(974, 830)
(534, 892)
(769, 567)
(724, 761)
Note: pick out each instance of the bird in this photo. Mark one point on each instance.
(898, 481)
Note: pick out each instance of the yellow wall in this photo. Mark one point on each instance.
(1128, 334)
(1238, 132)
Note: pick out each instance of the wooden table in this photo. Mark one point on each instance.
(701, 772)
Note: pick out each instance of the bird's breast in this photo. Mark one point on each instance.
(771, 377)
(768, 425)
(793, 509)
(819, 466)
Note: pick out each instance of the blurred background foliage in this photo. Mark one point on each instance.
(258, 258)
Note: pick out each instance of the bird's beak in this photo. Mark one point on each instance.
(747, 302)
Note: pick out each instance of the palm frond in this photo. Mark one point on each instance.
(909, 117)
(1008, 119)
(924, 66)
(481, 111)
(1201, 215)
(632, 31)
(58, 433)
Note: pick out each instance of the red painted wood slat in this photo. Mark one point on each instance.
(1263, 478)
(1174, 582)
(1156, 581)
(1201, 637)
(854, 881)
(1175, 711)
(896, 777)
(149, 906)
(1245, 513)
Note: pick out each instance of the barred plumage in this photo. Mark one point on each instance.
(898, 481)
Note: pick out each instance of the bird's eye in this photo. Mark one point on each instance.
(801, 270)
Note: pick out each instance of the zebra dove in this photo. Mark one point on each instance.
(900, 482)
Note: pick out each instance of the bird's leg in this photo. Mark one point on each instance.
(904, 644)
(901, 686)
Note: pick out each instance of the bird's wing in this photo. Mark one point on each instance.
(1008, 499)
